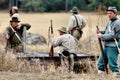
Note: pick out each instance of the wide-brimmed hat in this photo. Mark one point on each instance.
(14, 19)
(62, 29)
(74, 9)
(112, 8)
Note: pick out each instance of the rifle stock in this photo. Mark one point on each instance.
(51, 54)
(103, 56)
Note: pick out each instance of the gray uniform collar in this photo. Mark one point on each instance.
(112, 20)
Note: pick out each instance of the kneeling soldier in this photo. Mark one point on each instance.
(67, 44)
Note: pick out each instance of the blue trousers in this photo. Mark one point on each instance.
(111, 54)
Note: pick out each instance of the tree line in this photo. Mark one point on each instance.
(59, 5)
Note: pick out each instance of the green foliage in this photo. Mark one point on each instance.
(113, 3)
(81, 4)
(94, 4)
(2, 1)
(58, 5)
(3, 4)
(118, 6)
(54, 5)
(33, 5)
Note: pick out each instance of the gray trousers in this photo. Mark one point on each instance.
(69, 59)
(76, 34)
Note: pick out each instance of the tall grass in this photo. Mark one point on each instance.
(22, 69)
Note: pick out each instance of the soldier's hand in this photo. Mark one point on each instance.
(52, 36)
(97, 31)
(19, 25)
(7, 36)
(99, 35)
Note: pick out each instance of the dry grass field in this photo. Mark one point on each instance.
(41, 21)
(12, 69)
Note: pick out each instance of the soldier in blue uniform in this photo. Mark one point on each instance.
(110, 47)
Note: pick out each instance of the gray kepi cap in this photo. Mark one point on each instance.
(112, 8)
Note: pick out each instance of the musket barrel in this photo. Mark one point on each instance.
(51, 28)
(51, 54)
(103, 57)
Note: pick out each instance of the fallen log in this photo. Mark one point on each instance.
(81, 61)
(45, 55)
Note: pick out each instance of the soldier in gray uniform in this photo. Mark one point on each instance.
(14, 35)
(108, 36)
(67, 44)
(76, 23)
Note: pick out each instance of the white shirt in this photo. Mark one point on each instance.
(72, 22)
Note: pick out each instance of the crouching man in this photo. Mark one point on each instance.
(14, 35)
(67, 44)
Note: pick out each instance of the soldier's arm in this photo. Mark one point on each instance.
(28, 26)
(7, 33)
(117, 30)
(56, 42)
(113, 33)
(108, 36)
(84, 22)
(70, 25)
(7, 36)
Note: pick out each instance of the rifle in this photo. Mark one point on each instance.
(51, 54)
(16, 34)
(103, 56)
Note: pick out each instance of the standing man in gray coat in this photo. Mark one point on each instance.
(76, 23)
(110, 47)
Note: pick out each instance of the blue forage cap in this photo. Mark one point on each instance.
(112, 8)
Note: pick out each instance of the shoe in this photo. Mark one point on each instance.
(101, 72)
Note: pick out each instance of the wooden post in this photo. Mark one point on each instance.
(10, 4)
(24, 39)
(66, 5)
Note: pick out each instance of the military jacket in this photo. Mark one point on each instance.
(13, 40)
(65, 42)
(111, 32)
(72, 22)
